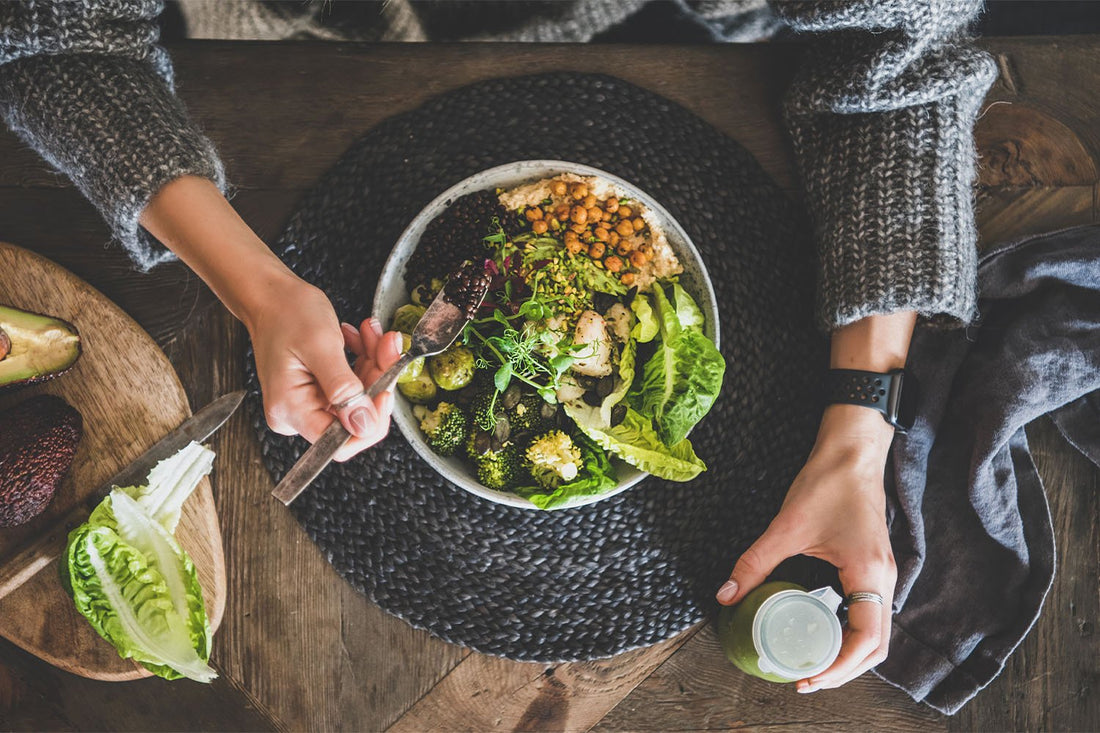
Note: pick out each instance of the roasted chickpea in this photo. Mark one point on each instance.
(638, 259)
(539, 226)
(624, 228)
(623, 247)
(613, 238)
(613, 264)
(558, 188)
(627, 279)
(612, 205)
(570, 236)
(589, 201)
(597, 250)
(576, 246)
(625, 212)
(579, 191)
(638, 223)
(578, 214)
(594, 214)
(605, 216)
(534, 213)
(562, 211)
(602, 234)
(579, 228)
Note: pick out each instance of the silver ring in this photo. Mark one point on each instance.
(864, 596)
(354, 399)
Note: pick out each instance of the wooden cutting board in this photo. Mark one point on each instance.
(130, 397)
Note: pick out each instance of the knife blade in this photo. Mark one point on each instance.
(47, 547)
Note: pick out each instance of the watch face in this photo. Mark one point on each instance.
(908, 393)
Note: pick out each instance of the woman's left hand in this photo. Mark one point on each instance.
(836, 511)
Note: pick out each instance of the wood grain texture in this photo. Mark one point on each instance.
(129, 398)
(296, 654)
(486, 693)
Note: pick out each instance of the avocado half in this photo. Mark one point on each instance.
(34, 347)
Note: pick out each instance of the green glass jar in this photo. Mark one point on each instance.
(781, 632)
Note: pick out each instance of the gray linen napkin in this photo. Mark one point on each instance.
(969, 519)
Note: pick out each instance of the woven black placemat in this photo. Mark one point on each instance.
(635, 569)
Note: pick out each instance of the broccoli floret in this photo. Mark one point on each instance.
(485, 409)
(445, 427)
(526, 415)
(553, 458)
(501, 469)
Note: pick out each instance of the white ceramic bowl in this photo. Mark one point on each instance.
(392, 293)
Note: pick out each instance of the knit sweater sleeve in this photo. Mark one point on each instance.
(881, 117)
(84, 84)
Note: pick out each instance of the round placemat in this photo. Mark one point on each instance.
(640, 567)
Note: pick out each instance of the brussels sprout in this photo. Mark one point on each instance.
(420, 390)
(406, 318)
(415, 368)
(453, 369)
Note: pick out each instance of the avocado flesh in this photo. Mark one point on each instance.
(41, 347)
(38, 440)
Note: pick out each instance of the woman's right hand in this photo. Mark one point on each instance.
(297, 339)
(299, 346)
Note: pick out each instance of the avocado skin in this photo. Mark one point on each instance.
(38, 439)
(8, 313)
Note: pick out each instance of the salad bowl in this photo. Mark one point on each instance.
(393, 292)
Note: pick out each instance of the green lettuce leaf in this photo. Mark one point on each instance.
(647, 326)
(687, 312)
(681, 381)
(595, 477)
(635, 441)
(133, 582)
(170, 483)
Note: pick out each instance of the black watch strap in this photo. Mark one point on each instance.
(893, 394)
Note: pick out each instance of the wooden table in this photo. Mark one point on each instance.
(299, 648)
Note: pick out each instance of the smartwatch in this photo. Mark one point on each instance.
(893, 394)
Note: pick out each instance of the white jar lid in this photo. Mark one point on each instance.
(797, 634)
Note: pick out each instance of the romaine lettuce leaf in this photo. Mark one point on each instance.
(125, 594)
(646, 327)
(681, 381)
(687, 312)
(133, 582)
(635, 441)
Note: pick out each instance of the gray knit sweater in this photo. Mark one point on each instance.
(881, 115)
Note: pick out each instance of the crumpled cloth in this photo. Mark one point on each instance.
(969, 520)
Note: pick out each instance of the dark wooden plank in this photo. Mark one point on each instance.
(486, 693)
(35, 696)
(283, 134)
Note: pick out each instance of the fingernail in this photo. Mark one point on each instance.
(398, 341)
(376, 326)
(727, 592)
(804, 688)
(361, 419)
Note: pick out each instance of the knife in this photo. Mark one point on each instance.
(47, 547)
